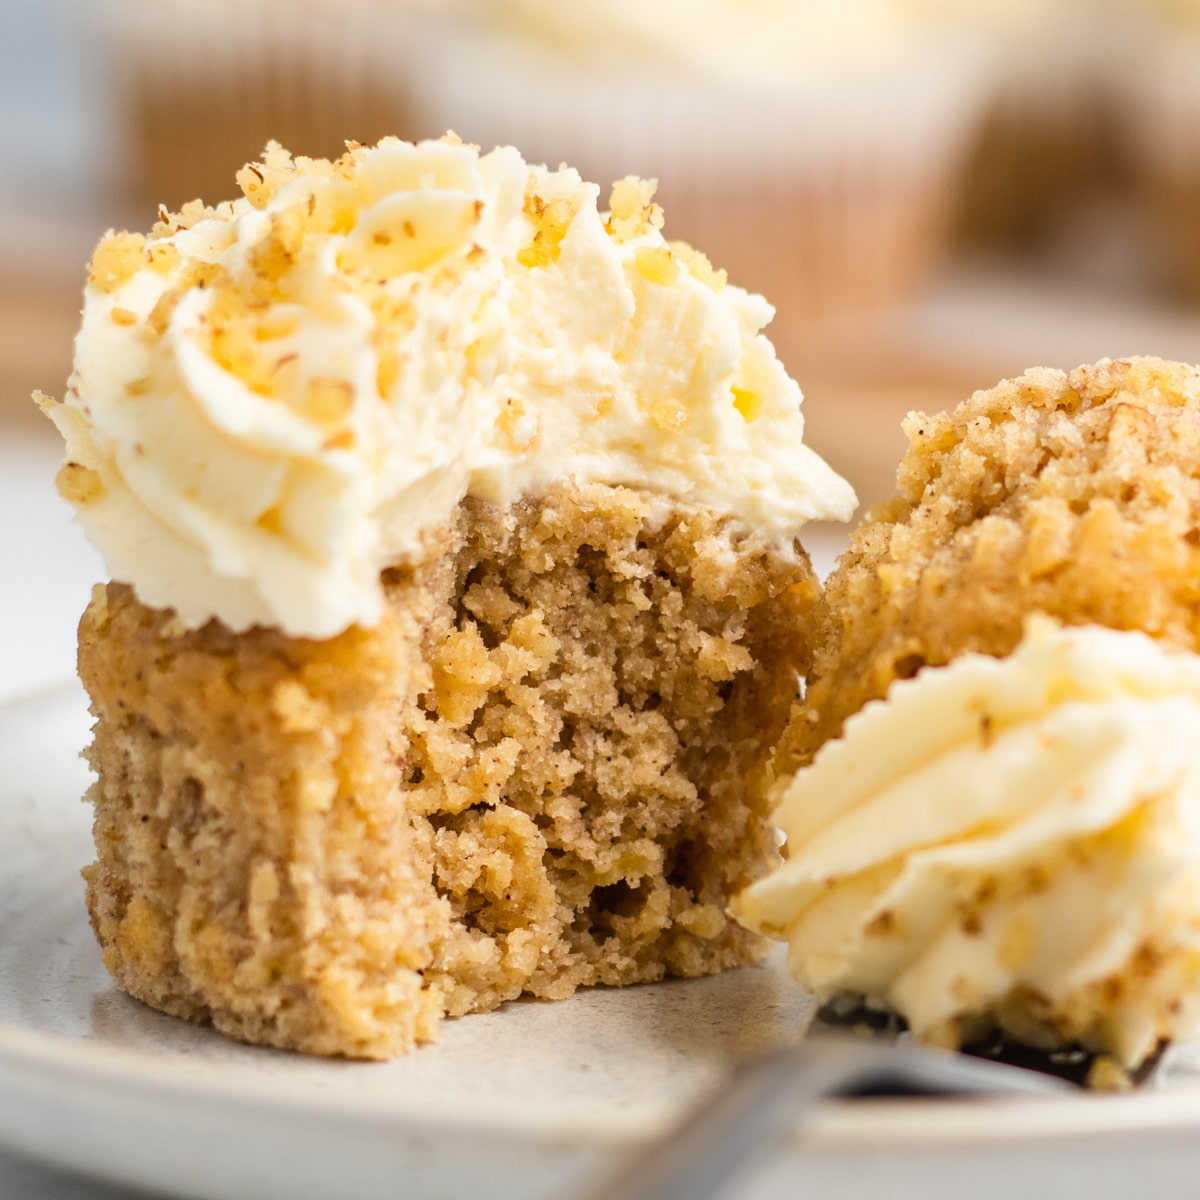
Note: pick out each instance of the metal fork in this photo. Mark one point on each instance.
(767, 1094)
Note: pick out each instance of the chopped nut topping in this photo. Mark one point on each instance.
(550, 222)
(117, 259)
(270, 521)
(278, 250)
(655, 265)
(749, 404)
(78, 484)
(698, 266)
(668, 414)
(163, 257)
(260, 181)
(253, 184)
(632, 210)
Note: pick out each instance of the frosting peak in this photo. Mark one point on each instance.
(276, 398)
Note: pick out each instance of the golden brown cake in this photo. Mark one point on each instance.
(990, 791)
(1073, 494)
(541, 770)
(457, 599)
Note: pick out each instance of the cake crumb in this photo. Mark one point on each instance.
(1107, 1075)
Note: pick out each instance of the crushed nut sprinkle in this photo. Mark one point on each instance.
(655, 264)
(749, 404)
(279, 249)
(78, 484)
(163, 257)
(632, 210)
(550, 221)
(698, 266)
(118, 257)
(668, 414)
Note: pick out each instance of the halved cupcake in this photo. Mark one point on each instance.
(991, 791)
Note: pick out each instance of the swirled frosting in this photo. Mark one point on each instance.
(1007, 842)
(275, 399)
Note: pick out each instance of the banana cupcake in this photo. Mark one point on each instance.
(1069, 493)
(990, 792)
(814, 149)
(456, 594)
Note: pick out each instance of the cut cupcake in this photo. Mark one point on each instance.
(1073, 494)
(456, 595)
(991, 814)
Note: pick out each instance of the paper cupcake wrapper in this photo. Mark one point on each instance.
(1159, 112)
(1160, 108)
(203, 87)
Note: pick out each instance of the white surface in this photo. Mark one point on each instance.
(49, 568)
(527, 1102)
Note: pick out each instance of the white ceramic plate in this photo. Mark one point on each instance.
(531, 1101)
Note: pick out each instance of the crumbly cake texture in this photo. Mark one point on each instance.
(545, 768)
(1075, 494)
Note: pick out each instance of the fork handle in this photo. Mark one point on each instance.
(764, 1096)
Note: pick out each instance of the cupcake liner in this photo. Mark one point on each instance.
(1160, 123)
(204, 87)
(1047, 136)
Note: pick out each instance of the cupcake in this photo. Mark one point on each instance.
(201, 87)
(456, 599)
(990, 793)
(1157, 84)
(814, 149)
(1046, 142)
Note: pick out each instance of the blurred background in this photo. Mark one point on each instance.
(934, 194)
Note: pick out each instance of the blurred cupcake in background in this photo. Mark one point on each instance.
(204, 84)
(1046, 140)
(1158, 79)
(812, 148)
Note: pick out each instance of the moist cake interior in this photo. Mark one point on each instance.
(1074, 494)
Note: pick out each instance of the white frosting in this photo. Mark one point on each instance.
(1016, 838)
(276, 399)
